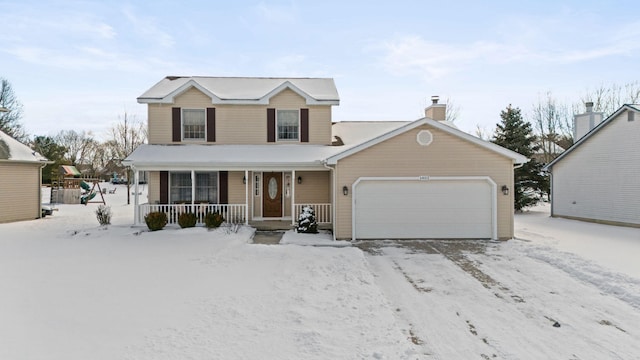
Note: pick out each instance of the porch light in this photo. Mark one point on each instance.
(244, 180)
(505, 189)
(299, 179)
(345, 190)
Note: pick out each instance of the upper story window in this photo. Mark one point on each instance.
(288, 125)
(193, 124)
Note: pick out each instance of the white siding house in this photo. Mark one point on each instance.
(598, 178)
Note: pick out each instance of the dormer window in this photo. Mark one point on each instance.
(193, 124)
(288, 125)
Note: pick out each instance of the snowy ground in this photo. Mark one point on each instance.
(73, 290)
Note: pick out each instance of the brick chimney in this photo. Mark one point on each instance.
(436, 111)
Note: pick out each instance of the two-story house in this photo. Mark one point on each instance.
(258, 149)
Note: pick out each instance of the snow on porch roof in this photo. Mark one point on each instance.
(229, 157)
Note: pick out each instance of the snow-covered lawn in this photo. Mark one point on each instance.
(73, 290)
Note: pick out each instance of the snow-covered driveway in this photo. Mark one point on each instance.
(70, 289)
(485, 300)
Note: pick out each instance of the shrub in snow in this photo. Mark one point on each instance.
(186, 220)
(213, 220)
(103, 214)
(156, 220)
(307, 221)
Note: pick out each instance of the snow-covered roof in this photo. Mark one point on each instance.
(352, 133)
(230, 157)
(242, 90)
(355, 136)
(13, 150)
(595, 130)
(549, 146)
(517, 158)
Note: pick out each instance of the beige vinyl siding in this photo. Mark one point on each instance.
(153, 191)
(236, 187)
(598, 180)
(315, 187)
(239, 124)
(447, 155)
(19, 191)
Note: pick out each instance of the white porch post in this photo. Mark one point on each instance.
(246, 197)
(293, 196)
(136, 201)
(193, 188)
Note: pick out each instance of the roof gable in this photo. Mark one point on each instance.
(592, 133)
(240, 91)
(517, 158)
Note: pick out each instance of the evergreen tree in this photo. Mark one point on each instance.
(47, 147)
(516, 134)
(307, 221)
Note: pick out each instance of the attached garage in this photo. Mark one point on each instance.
(424, 208)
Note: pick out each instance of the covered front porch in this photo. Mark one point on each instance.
(266, 199)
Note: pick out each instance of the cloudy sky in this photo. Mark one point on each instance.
(81, 64)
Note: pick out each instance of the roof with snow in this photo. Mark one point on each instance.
(354, 136)
(242, 90)
(595, 130)
(13, 150)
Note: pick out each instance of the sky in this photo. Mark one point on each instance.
(80, 65)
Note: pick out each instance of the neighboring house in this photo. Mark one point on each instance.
(20, 180)
(258, 149)
(598, 178)
(547, 151)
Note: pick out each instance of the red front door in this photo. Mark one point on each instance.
(272, 194)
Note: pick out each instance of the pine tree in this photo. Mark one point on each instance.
(307, 221)
(515, 134)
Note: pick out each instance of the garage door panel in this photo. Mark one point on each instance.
(423, 209)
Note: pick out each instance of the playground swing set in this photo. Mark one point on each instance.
(70, 188)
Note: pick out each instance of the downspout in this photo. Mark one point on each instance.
(333, 202)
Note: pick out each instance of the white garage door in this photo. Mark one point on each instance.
(432, 209)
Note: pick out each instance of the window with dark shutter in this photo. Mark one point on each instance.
(271, 125)
(304, 125)
(176, 125)
(211, 124)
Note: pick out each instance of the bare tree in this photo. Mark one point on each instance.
(124, 137)
(453, 110)
(482, 133)
(78, 145)
(10, 119)
(552, 124)
(607, 99)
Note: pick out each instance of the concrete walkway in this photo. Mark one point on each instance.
(267, 237)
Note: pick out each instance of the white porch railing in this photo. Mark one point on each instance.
(323, 212)
(232, 213)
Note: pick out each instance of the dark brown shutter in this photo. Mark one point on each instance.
(211, 124)
(176, 123)
(271, 125)
(164, 187)
(304, 125)
(224, 187)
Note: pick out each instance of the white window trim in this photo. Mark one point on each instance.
(277, 132)
(204, 138)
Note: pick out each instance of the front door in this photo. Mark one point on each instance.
(272, 194)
